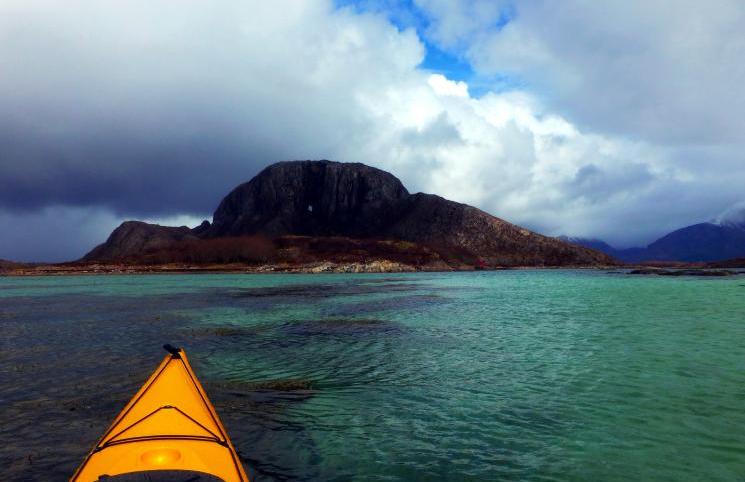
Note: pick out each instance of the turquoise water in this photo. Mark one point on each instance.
(510, 375)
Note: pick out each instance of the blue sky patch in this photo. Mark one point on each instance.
(404, 14)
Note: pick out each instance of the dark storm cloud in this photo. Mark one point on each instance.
(595, 183)
(76, 133)
(130, 174)
(156, 107)
(52, 234)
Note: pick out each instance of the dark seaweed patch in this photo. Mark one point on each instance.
(401, 303)
(281, 385)
(256, 396)
(228, 331)
(341, 326)
(324, 290)
(384, 280)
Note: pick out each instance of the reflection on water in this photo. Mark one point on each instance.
(535, 375)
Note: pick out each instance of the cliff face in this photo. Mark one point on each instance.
(135, 237)
(314, 198)
(325, 199)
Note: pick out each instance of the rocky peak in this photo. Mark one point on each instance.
(316, 198)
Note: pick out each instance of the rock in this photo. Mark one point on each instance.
(462, 229)
(376, 266)
(133, 238)
(646, 271)
(202, 228)
(313, 198)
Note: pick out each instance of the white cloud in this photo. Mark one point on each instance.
(654, 70)
(443, 86)
(454, 23)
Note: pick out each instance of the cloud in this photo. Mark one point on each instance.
(54, 233)
(443, 86)
(732, 216)
(155, 110)
(644, 69)
(453, 24)
(162, 107)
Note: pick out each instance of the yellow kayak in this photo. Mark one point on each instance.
(169, 431)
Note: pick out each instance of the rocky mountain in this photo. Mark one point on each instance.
(325, 199)
(700, 242)
(134, 237)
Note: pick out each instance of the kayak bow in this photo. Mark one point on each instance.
(168, 431)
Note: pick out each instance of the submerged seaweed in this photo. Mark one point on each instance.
(341, 326)
(324, 290)
(258, 396)
(227, 331)
(281, 385)
(397, 304)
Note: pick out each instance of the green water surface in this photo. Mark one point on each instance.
(513, 375)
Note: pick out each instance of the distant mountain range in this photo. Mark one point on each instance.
(722, 239)
(297, 211)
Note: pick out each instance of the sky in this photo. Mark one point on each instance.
(618, 120)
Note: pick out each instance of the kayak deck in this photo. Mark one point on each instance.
(169, 425)
(161, 476)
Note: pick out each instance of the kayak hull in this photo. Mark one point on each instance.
(169, 425)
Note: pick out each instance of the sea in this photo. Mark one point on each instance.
(519, 375)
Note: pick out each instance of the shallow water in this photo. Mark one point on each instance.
(511, 375)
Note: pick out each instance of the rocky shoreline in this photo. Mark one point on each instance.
(375, 266)
(683, 272)
(319, 267)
